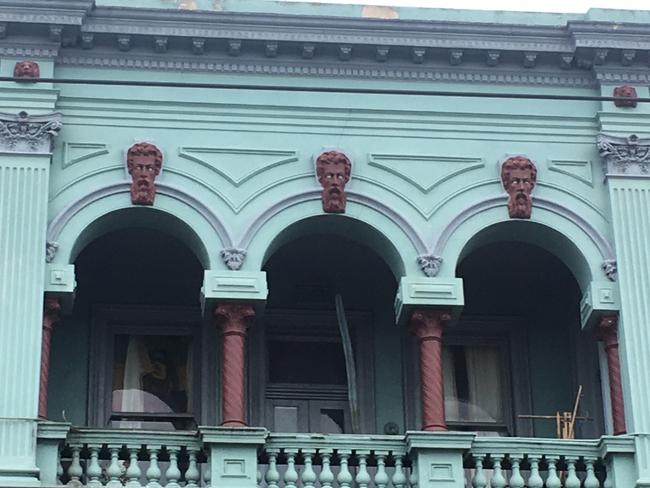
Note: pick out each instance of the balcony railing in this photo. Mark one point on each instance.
(253, 458)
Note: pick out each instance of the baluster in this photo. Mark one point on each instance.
(399, 480)
(93, 469)
(207, 474)
(608, 483)
(113, 471)
(345, 477)
(326, 477)
(308, 474)
(74, 470)
(363, 477)
(479, 480)
(272, 473)
(572, 480)
(516, 479)
(153, 472)
(173, 473)
(381, 477)
(192, 475)
(498, 480)
(259, 476)
(534, 480)
(59, 467)
(290, 475)
(133, 472)
(553, 480)
(590, 480)
(413, 478)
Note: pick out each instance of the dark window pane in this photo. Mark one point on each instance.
(332, 421)
(320, 363)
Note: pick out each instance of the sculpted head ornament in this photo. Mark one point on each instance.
(143, 161)
(519, 175)
(625, 92)
(333, 170)
(27, 70)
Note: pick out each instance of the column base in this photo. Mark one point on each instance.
(434, 428)
(233, 423)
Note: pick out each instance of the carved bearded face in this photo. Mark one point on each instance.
(333, 171)
(143, 163)
(519, 175)
(626, 91)
(27, 69)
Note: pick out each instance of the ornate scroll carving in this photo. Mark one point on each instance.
(628, 96)
(429, 264)
(233, 258)
(50, 251)
(607, 332)
(24, 133)
(144, 162)
(333, 169)
(625, 155)
(610, 269)
(233, 318)
(427, 325)
(519, 175)
(27, 70)
(51, 311)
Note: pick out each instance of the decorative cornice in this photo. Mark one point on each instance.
(429, 264)
(25, 133)
(625, 155)
(233, 258)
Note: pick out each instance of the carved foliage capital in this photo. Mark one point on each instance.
(607, 330)
(428, 324)
(429, 264)
(51, 311)
(610, 269)
(625, 155)
(24, 133)
(234, 318)
(233, 258)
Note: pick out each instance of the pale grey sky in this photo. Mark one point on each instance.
(576, 6)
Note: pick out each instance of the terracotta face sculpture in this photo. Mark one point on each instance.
(626, 91)
(333, 170)
(27, 70)
(143, 162)
(518, 175)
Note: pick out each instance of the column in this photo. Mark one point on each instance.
(607, 332)
(51, 311)
(427, 325)
(233, 318)
(25, 153)
(627, 166)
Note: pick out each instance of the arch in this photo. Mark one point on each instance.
(109, 208)
(366, 221)
(553, 227)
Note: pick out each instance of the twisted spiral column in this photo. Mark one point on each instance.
(607, 332)
(51, 311)
(427, 325)
(233, 318)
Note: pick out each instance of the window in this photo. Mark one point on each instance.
(146, 364)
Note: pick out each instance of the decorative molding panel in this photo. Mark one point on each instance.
(237, 165)
(429, 292)
(424, 172)
(234, 285)
(579, 170)
(76, 152)
(600, 298)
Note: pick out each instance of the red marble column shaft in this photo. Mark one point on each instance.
(51, 310)
(427, 325)
(233, 318)
(608, 333)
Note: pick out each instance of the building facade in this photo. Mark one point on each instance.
(258, 244)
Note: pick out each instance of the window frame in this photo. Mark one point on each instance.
(108, 321)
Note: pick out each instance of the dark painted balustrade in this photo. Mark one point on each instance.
(135, 458)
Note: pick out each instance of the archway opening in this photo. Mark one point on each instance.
(518, 349)
(129, 354)
(299, 347)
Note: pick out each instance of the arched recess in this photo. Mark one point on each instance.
(109, 208)
(365, 221)
(580, 246)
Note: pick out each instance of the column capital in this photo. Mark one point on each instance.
(428, 323)
(607, 330)
(234, 318)
(625, 156)
(24, 133)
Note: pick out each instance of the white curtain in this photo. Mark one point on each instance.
(136, 363)
(484, 379)
(452, 411)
